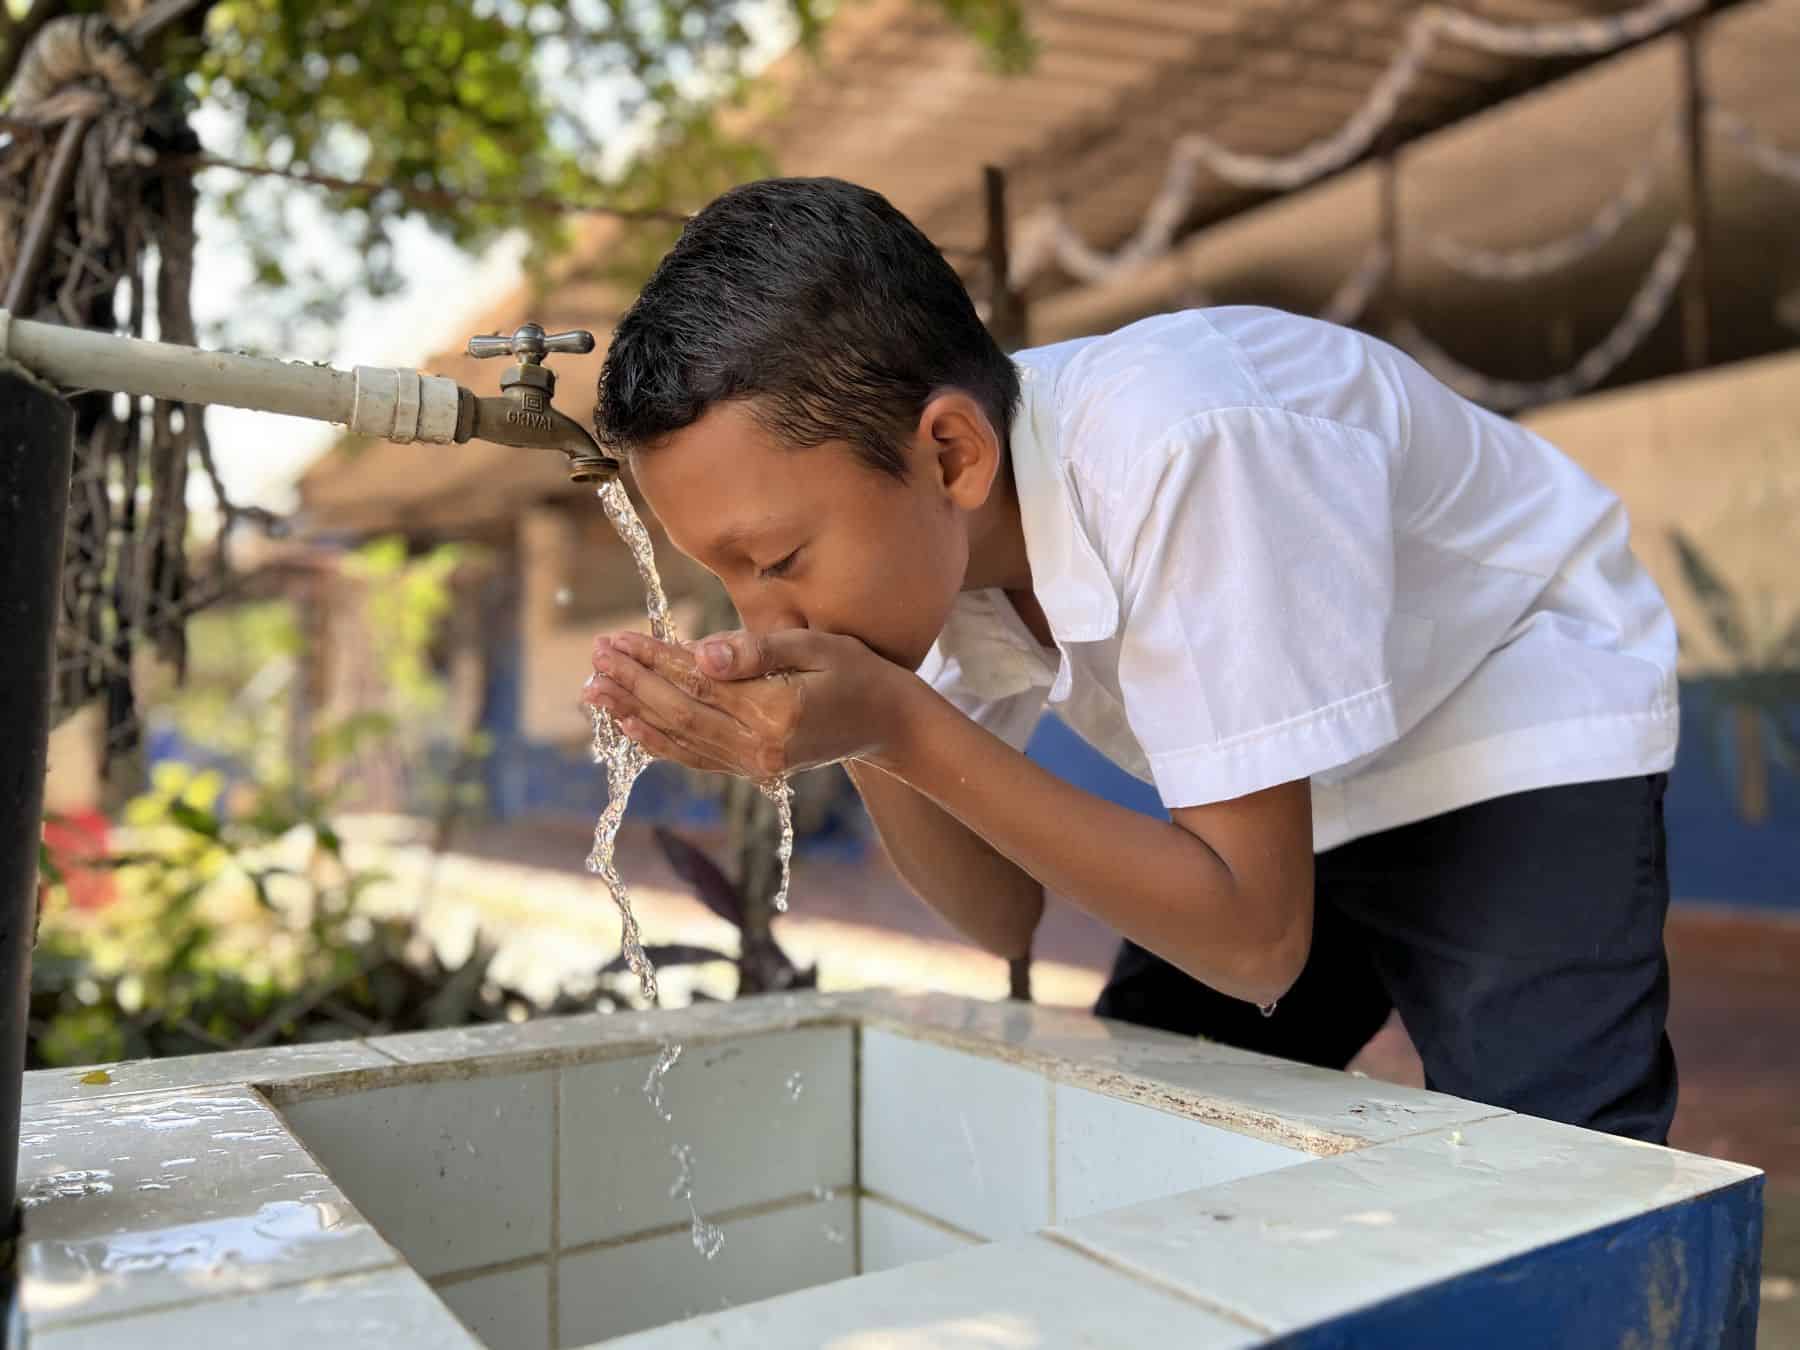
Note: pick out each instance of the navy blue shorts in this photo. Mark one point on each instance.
(1521, 940)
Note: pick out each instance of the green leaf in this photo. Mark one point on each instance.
(1716, 599)
(194, 820)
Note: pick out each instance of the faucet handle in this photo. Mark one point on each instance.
(531, 344)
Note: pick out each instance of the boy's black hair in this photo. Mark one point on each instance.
(819, 301)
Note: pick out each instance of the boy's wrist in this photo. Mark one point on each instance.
(906, 707)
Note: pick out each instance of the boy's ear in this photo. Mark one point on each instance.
(963, 446)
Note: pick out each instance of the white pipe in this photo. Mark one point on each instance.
(389, 404)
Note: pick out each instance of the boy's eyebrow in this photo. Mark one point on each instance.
(736, 538)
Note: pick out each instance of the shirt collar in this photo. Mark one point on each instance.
(1067, 576)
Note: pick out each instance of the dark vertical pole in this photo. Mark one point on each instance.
(1006, 308)
(36, 446)
(1388, 306)
(1006, 321)
(1695, 328)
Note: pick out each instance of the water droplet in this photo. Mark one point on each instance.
(667, 1054)
(796, 1086)
(823, 1193)
(708, 1238)
(835, 1235)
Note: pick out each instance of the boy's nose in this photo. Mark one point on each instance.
(763, 614)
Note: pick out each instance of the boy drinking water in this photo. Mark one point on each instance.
(1406, 695)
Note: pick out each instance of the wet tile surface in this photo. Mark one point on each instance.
(1111, 1153)
(960, 1137)
(391, 1309)
(1292, 1247)
(158, 1198)
(610, 1291)
(507, 1310)
(763, 1117)
(455, 1173)
(1295, 1105)
(282, 1065)
(1025, 1293)
(891, 1237)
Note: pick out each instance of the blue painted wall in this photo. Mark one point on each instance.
(1714, 854)
(1682, 1278)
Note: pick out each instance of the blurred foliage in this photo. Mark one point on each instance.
(229, 931)
(580, 102)
(236, 918)
(234, 699)
(254, 927)
(407, 599)
(244, 661)
(1756, 701)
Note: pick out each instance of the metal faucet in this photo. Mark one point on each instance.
(389, 404)
(524, 415)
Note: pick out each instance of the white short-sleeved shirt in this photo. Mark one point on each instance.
(1271, 548)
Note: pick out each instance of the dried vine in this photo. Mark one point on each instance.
(120, 259)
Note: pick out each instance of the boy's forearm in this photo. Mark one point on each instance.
(982, 894)
(1153, 881)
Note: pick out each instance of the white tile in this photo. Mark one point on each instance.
(892, 1237)
(1027, 1294)
(455, 1173)
(142, 1201)
(959, 1137)
(509, 1310)
(764, 1117)
(1293, 1247)
(1319, 1110)
(1111, 1153)
(392, 1309)
(275, 1066)
(583, 1036)
(609, 1291)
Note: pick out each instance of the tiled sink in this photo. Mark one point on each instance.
(886, 1171)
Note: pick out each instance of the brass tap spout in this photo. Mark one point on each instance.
(524, 415)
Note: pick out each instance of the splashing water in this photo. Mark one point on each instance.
(708, 1237)
(781, 793)
(625, 760)
(796, 1085)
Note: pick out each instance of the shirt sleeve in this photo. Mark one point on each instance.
(1012, 717)
(1258, 573)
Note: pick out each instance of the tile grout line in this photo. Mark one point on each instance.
(1151, 1280)
(755, 1210)
(555, 1263)
(924, 1217)
(450, 1278)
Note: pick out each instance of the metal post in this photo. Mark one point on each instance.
(1006, 307)
(1695, 326)
(36, 449)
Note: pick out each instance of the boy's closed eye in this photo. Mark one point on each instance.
(781, 566)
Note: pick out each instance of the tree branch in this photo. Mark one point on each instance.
(422, 196)
(20, 33)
